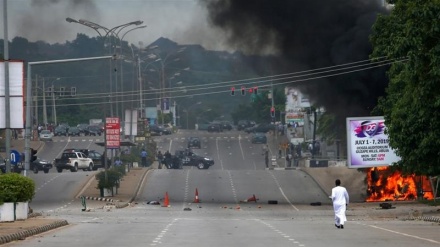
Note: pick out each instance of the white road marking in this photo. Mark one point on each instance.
(401, 233)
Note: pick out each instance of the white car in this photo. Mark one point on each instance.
(46, 135)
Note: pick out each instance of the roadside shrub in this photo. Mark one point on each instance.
(119, 169)
(113, 177)
(16, 188)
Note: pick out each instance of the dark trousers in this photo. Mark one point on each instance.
(144, 161)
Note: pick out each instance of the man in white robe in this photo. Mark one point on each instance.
(340, 202)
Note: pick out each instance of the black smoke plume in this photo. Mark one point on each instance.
(310, 34)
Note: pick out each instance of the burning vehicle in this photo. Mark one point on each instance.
(387, 184)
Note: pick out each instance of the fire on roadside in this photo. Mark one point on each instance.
(387, 185)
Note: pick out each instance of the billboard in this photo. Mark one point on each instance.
(16, 102)
(130, 126)
(367, 143)
(112, 132)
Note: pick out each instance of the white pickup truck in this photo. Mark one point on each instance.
(73, 161)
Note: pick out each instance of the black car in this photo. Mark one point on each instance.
(82, 128)
(73, 131)
(215, 127)
(93, 130)
(194, 142)
(156, 130)
(243, 124)
(97, 157)
(60, 131)
(262, 128)
(40, 165)
(259, 138)
(226, 125)
(188, 158)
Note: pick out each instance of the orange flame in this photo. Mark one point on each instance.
(387, 185)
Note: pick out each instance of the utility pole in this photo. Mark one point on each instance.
(140, 87)
(36, 100)
(315, 122)
(44, 105)
(54, 109)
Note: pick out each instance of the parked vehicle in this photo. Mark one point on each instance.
(82, 128)
(157, 130)
(226, 125)
(46, 135)
(93, 130)
(40, 165)
(259, 137)
(60, 131)
(243, 124)
(194, 142)
(263, 128)
(215, 127)
(73, 161)
(73, 131)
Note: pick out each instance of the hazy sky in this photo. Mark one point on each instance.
(183, 21)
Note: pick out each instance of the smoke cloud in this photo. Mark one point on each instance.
(45, 19)
(309, 35)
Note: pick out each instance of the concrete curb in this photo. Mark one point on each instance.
(30, 232)
(102, 199)
(424, 218)
(113, 201)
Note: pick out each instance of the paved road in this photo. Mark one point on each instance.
(222, 219)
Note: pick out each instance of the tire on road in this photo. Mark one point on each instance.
(74, 168)
(201, 165)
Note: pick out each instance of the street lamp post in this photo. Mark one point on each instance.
(122, 74)
(164, 63)
(140, 79)
(107, 32)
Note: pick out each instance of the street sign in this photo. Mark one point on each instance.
(15, 157)
(139, 138)
(112, 132)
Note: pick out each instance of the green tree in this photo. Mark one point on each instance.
(412, 105)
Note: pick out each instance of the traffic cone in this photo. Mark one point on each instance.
(166, 202)
(196, 199)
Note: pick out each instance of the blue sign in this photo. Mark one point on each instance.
(15, 157)
(165, 104)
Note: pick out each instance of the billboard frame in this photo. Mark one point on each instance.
(367, 143)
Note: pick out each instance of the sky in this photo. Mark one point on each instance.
(183, 21)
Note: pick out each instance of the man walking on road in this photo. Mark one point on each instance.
(340, 201)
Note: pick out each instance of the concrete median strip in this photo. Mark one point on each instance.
(21, 235)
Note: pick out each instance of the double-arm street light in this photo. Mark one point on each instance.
(141, 105)
(164, 62)
(106, 33)
(122, 73)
